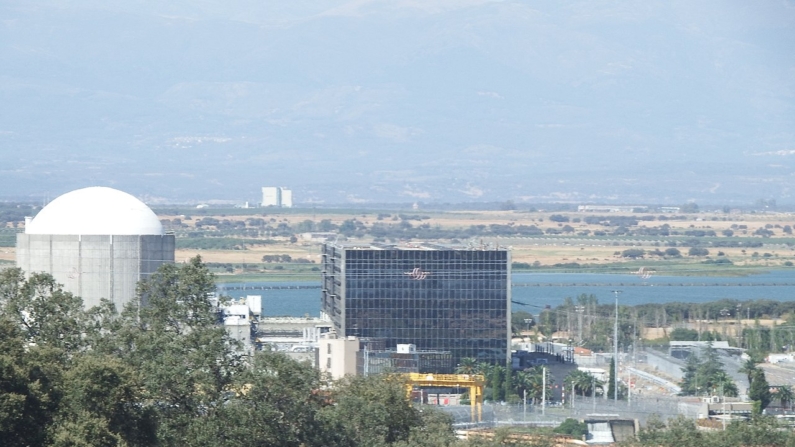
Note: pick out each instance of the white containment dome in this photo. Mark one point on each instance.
(98, 242)
(96, 211)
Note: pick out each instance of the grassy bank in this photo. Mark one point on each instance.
(668, 270)
(267, 277)
(664, 268)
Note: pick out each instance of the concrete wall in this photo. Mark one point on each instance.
(337, 356)
(623, 430)
(95, 267)
(667, 365)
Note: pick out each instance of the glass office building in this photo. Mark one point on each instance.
(435, 297)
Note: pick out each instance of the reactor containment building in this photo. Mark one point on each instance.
(98, 242)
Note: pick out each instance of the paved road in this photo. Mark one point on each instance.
(779, 374)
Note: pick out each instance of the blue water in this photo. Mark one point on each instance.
(541, 289)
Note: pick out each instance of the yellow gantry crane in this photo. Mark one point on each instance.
(475, 383)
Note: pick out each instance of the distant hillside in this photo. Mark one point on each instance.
(396, 101)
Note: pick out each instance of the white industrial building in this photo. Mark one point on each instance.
(98, 242)
(277, 196)
(337, 356)
(241, 318)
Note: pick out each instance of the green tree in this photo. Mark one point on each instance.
(42, 332)
(348, 227)
(682, 334)
(572, 427)
(47, 314)
(435, 429)
(690, 207)
(673, 252)
(275, 402)
(171, 337)
(496, 385)
(759, 431)
(518, 323)
(611, 385)
(532, 381)
(690, 385)
(582, 382)
(507, 383)
(724, 385)
(28, 389)
(163, 372)
(372, 411)
(759, 392)
(467, 365)
(678, 432)
(748, 368)
(652, 433)
(785, 395)
(102, 406)
(705, 374)
(633, 253)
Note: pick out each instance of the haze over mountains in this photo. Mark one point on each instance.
(400, 101)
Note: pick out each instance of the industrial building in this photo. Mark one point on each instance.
(98, 242)
(403, 359)
(241, 318)
(435, 297)
(277, 196)
(340, 357)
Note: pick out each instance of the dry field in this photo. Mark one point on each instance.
(8, 254)
(546, 250)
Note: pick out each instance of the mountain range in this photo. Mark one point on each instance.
(398, 101)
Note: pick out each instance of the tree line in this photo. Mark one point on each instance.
(590, 323)
(389, 227)
(165, 373)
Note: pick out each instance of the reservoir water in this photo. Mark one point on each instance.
(538, 290)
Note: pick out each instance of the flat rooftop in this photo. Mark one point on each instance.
(428, 246)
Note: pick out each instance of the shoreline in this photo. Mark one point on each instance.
(729, 272)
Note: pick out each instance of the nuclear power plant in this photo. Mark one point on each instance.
(98, 242)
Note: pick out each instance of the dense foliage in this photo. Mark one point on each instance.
(591, 322)
(399, 226)
(683, 432)
(572, 427)
(704, 375)
(166, 374)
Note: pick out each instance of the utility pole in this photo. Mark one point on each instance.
(572, 397)
(629, 387)
(615, 348)
(543, 390)
(366, 361)
(723, 398)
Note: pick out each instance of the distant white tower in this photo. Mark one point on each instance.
(287, 198)
(277, 196)
(271, 196)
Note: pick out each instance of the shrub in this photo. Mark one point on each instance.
(572, 427)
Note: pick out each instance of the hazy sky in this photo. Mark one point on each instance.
(397, 101)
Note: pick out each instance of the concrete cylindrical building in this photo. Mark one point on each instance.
(98, 242)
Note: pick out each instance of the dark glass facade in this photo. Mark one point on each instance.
(435, 298)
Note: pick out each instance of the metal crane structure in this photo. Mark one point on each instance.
(475, 383)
